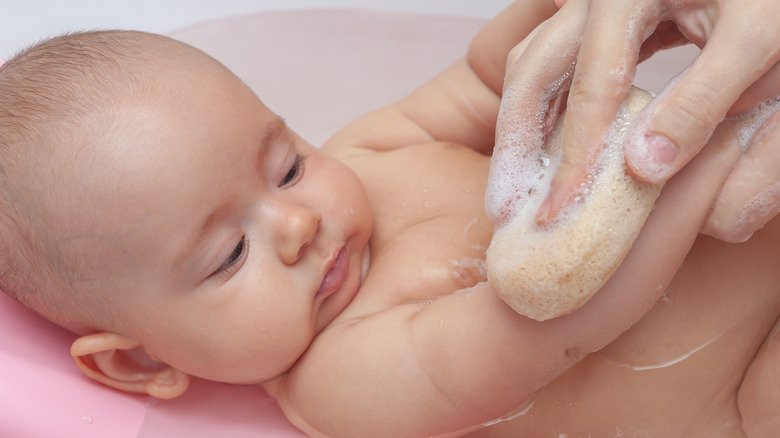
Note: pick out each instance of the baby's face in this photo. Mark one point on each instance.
(227, 242)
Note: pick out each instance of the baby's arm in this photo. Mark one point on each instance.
(459, 105)
(427, 369)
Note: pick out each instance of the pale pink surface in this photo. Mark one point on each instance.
(43, 392)
(319, 69)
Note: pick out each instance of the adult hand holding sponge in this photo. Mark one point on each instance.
(547, 271)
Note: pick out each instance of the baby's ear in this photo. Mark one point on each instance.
(124, 364)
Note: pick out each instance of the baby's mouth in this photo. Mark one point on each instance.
(336, 275)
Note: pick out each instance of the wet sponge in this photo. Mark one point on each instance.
(546, 272)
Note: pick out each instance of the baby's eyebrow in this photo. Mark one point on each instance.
(273, 130)
(198, 233)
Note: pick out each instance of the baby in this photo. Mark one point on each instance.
(152, 204)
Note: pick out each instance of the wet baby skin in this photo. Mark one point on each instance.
(348, 280)
(702, 362)
(680, 371)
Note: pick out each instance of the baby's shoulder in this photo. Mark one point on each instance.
(436, 111)
(341, 366)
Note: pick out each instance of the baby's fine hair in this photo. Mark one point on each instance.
(53, 95)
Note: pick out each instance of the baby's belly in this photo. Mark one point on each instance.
(678, 371)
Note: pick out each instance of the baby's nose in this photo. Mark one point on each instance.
(299, 227)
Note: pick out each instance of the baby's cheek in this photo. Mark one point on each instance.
(349, 197)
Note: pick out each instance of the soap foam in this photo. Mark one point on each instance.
(520, 162)
(749, 122)
(544, 273)
(764, 205)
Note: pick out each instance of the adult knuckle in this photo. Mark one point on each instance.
(583, 88)
(696, 106)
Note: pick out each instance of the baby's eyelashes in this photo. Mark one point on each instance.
(232, 262)
(295, 172)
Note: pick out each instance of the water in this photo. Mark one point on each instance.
(522, 410)
(671, 361)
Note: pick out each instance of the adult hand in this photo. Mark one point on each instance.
(750, 196)
(736, 70)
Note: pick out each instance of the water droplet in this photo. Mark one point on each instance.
(87, 419)
(575, 354)
(512, 415)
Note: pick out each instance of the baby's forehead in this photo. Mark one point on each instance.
(127, 110)
(72, 111)
(161, 161)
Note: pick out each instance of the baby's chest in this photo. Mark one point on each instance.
(430, 231)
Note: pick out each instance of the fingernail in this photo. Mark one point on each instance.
(663, 148)
(653, 156)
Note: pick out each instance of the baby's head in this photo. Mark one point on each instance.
(151, 203)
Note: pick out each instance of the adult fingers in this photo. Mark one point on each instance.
(750, 197)
(606, 65)
(680, 121)
(537, 71)
(762, 90)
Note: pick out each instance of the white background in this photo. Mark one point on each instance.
(23, 22)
